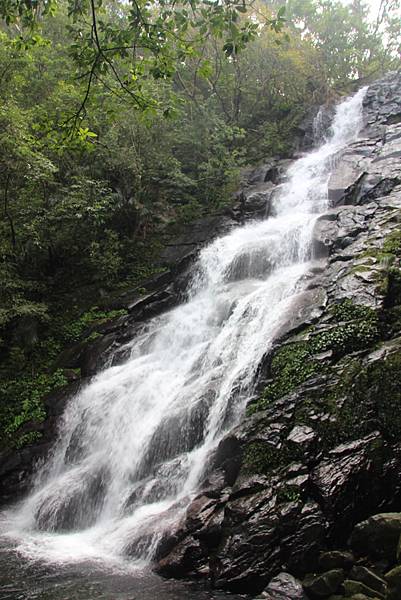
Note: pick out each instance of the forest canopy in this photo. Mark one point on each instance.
(121, 119)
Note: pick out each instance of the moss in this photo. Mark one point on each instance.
(356, 327)
(389, 252)
(361, 269)
(350, 337)
(392, 243)
(361, 398)
(365, 398)
(291, 365)
(262, 457)
(346, 310)
(381, 385)
(379, 255)
(289, 493)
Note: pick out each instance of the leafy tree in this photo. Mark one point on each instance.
(140, 40)
(351, 44)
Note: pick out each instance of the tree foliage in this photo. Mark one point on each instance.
(352, 42)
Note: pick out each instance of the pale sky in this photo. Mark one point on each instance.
(374, 6)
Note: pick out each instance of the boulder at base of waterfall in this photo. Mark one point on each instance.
(378, 536)
(369, 578)
(324, 584)
(393, 579)
(352, 588)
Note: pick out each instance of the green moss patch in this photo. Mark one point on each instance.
(355, 327)
(262, 457)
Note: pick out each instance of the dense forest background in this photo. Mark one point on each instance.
(119, 121)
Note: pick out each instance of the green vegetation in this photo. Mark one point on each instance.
(355, 327)
(27, 373)
(362, 399)
(351, 397)
(75, 330)
(21, 401)
(261, 457)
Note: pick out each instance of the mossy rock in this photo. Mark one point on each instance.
(361, 597)
(378, 536)
(262, 457)
(325, 584)
(393, 579)
(353, 327)
(367, 577)
(353, 588)
(399, 550)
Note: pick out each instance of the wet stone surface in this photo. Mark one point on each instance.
(22, 580)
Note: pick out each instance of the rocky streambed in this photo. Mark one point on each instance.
(368, 568)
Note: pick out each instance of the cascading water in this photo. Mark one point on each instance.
(134, 445)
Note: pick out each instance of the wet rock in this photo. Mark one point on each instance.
(228, 458)
(352, 588)
(260, 174)
(96, 356)
(370, 579)
(188, 558)
(314, 125)
(378, 536)
(306, 309)
(301, 546)
(324, 234)
(185, 246)
(336, 559)
(302, 436)
(324, 584)
(258, 201)
(393, 579)
(204, 519)
(283, 587)
(349, 466)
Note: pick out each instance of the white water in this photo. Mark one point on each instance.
(134, 445)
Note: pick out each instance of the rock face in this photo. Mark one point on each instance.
(319, 450)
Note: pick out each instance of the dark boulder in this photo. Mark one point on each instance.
(369, 578)
(378, 536)
(336, 559)
(323, 585)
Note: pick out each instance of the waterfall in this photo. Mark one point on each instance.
(134, 445)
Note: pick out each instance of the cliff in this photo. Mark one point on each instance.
(320, 448)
